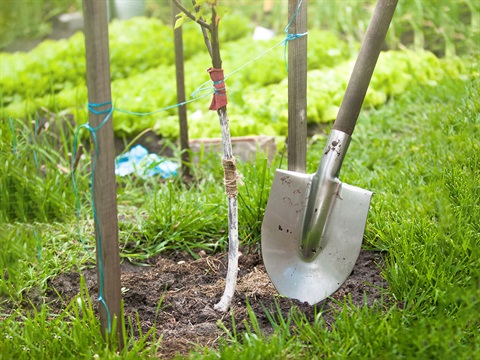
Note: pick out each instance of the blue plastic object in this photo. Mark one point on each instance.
(139, 162)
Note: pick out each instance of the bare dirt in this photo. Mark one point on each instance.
(188, 288)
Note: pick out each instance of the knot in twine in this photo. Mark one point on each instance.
(231, 176)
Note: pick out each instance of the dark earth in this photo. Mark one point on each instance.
(188, 288)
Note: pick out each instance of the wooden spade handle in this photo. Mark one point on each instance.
(364, 66)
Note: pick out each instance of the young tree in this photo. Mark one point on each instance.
(202, 9)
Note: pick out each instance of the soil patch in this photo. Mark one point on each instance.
(188, 288)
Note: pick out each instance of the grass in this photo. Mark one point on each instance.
(419, 153)
(435, 183)
(171, 215)
(40, 334)
(424, 216)
(47, 195)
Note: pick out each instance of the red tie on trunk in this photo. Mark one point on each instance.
(220, 95)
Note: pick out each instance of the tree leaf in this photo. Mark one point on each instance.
(179, 22)
(221, 11)
(199, 13)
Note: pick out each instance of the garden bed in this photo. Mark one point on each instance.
(188, 288)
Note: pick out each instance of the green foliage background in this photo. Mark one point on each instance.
(416, 146)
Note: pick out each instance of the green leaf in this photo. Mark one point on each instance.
(179, 22)
(221, 11)
(199, 13)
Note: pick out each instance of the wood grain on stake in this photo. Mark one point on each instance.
(297, 88)
(106, 229)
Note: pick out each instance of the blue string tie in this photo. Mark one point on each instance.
(219, 90)
(93, 131)
(291, 37)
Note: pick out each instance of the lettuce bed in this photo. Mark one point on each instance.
(143, 78)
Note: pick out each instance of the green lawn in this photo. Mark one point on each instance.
(420, 155)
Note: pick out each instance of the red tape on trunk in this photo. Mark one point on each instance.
(220, 91)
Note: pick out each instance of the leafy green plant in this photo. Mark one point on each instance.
(443, 27)
(259, 108)
(448, 29)
(56, 66)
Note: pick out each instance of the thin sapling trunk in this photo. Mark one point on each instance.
(219, 104)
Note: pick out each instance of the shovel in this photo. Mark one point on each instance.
(313, 227)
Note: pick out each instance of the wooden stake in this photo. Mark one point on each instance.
(182, 110)
(297, 89)
(104, 192)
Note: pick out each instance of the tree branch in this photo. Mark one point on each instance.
(206, 39)
(187, 12)
(216, 58)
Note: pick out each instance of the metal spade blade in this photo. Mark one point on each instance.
(305, 271)
(313, 226)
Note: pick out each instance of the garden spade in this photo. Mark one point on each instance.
(313, 227)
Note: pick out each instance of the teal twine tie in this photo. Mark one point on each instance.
(93, 131)
(290, 37)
